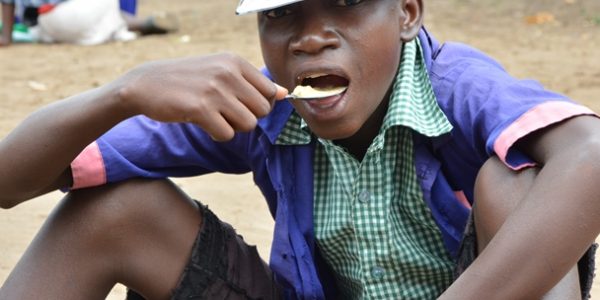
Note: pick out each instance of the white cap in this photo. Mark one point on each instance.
(248, 6)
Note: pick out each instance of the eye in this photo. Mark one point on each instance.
(278, 12)
(346, 2)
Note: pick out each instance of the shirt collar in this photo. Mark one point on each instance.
(295, 132)
(412, 101)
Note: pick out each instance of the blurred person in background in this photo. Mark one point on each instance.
(79, 21)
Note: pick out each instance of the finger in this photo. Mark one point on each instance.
(281, 92)
(263, 84)
(252, 99)
(216, 126)
(239, 116)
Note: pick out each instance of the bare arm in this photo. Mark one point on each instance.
(8, 19)
(552, 227)
(221, 93)
(36, 155)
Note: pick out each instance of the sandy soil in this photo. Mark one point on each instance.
(554, 41)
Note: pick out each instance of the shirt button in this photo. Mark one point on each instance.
(364, 196)
(377, 272)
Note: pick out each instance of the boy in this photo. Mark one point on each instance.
(342, 230)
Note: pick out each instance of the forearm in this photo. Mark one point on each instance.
(8, 15)
(40, 149)
(222, 94)
(549, 230)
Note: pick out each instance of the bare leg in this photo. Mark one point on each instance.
(8, 19)
(139, 233)
(498, 191)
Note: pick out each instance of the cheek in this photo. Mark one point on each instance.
(274, 45)
(275, 59)
(269, 56)
(273, 53)
(386, 48)
(380, 50)
(379, 71)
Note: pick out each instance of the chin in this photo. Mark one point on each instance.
(335, 133)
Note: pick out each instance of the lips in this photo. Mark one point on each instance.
(322, 105)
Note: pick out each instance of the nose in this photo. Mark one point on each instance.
(314, 35)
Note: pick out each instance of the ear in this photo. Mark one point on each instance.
(413, 19)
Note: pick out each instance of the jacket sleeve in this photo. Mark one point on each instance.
(490, 109)
(141, 147)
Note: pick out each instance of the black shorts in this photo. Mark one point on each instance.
(223, 266)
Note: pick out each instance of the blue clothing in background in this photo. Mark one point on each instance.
(129, 6)
(34, 3)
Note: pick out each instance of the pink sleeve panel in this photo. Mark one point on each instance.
(88, 168)
(462, 199)
(536, 118)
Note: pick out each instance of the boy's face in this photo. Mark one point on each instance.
(353, 43)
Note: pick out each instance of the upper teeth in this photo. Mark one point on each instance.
(316, 75)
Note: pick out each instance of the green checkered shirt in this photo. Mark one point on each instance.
(370, 220)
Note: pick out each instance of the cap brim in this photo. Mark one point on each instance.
(248, 6)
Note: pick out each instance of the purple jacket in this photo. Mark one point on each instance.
(489, 110)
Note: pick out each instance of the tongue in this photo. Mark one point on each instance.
(327, 81)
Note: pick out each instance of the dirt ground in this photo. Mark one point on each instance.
(554, 41)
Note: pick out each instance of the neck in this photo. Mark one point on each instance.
(358, 143)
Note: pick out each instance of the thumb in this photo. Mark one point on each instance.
(281, 92)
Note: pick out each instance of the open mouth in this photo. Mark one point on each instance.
(324, 81)
(319, 86)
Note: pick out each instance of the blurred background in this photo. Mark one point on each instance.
(554, 41)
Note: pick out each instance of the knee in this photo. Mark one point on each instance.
(498, 190)
(131, 208)
(132, 232)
